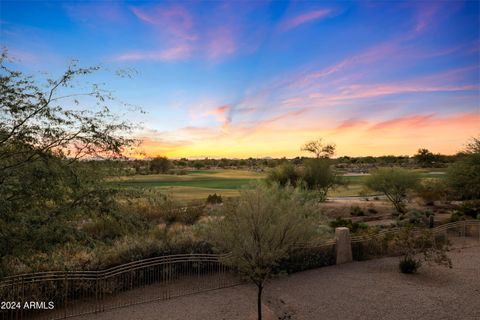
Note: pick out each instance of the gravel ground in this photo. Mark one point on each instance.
(361, 290)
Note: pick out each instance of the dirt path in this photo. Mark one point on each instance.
(361, 290)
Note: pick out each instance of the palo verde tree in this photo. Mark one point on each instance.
(260, 230)
(394, 183)
(319, 176)
(45, 128)
(284, 174)
(315, 174)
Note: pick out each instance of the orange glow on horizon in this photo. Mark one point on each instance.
(399, 136)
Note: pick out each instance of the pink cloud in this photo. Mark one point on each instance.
(417, 126)
(304, 18)
(219, 110)
(419, 122)
(177, 26)
(368, 91)
(351, 123)
(425, 17)
(396, 49)
(176, 20)
(171, 54)
(368, 56)
(409, 121)
(221, 43)
(222, 115)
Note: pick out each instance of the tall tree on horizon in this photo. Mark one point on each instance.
(319, 149)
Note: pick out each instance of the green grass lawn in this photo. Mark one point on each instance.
(210, 183)
(194, 185)
(198, 184)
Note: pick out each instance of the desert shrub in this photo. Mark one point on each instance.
(104, 228)
(414, 217)
(114, 225)
(419, 245)
(284, 174)
(186, 215)
(189, 215)
(214, 199)
(169, 215)
(164, 209)
(457, 216)
(372, 210)
(431, 190)
(308, 258)
(147, 203)
(354, 227)
(471, 208)
(409, 265)
(129, 248)
(356, 211)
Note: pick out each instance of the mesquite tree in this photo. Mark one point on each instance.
(45, 128)
(319, 149)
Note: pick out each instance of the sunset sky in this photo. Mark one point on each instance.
(257, 78)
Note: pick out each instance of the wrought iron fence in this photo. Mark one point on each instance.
(76, 293)
(460, 234)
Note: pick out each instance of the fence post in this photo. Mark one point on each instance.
(343, 245)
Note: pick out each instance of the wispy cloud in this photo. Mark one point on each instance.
(305, 18)
(405, 122)
(222, 115)
(182, 35)
(426, 16)
(174, 19)
(171, 54)
(220, 43)
(351, 123)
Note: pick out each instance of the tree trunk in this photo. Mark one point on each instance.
(259, 302)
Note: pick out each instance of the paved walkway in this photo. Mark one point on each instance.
(361, 290)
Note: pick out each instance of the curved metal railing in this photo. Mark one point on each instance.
(76, 293)
(462, 227)
(81, 292)
(462, 234)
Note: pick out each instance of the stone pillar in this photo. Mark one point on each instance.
(343, 245)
